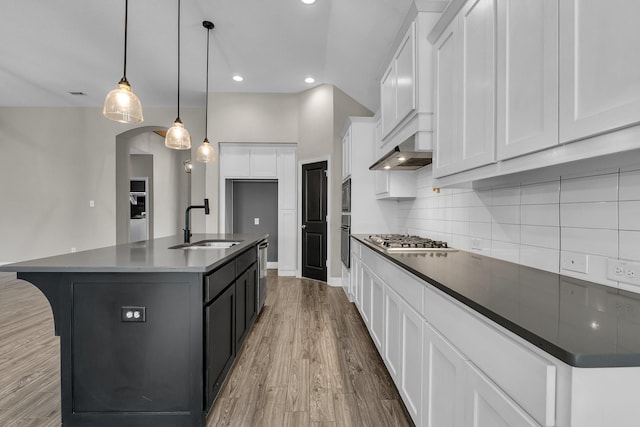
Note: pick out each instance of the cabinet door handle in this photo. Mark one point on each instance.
(303, 227)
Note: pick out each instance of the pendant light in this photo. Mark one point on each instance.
(205, 151)
(121, 104)
(177, 136)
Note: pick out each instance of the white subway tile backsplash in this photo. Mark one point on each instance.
(630, 185)
(540, 236)
(630, 245)
(590, 241)
(536, 194)
(506, 251)
(536, 223)
(599, 188)
(506, 214)
(480, 230)
(480, 214)
(460, 242)
(459, 214)
(505, 232)
(460, 228)
(548, 215)
(630, 215)
(542, 258)
(484, 197)
(589, 215)
(505, 196)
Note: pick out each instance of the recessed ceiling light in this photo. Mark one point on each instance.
(238, 78)
(387, 167)
(309, 80)
(308, 1)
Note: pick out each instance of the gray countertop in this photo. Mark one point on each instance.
(583, 324)
(145, 256)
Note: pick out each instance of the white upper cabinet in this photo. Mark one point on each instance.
(406, 98)
(405, 75)
(527, 76)
(445, 159)
(477, 38)
(397, 87)
(599, 67)
(565, 71)
(264, 162)
(388, 99)
(465, 90)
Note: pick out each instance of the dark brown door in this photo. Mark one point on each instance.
(314, 221)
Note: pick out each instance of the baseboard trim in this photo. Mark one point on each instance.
(336, 282)
(287, 272)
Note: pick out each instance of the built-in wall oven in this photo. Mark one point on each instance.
(346, 196)
(345, 240)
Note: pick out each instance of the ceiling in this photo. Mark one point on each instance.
(53, 47)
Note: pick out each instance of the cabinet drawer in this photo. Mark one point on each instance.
(527, 378)
(217, 281)
(245, 259)
(405, 284)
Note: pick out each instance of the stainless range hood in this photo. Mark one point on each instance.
(403, 157)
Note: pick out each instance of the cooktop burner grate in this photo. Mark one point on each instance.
(407, 243)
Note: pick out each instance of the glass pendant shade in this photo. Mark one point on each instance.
(205, 152)
(178, 137)
(122, 105)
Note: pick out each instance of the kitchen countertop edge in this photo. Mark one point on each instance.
(577, 360)
(122, 258)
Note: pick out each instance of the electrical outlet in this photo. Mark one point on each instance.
(623, 271)
(133, 314)
(73, 250)
(256, 221)
(575, 262)
(92, 204)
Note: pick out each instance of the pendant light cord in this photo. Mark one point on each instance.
(178, 58)
(126, 25)
(206, 94)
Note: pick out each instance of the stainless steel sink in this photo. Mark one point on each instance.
(208, 244)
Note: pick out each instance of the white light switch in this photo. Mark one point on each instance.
(92, 203)
(256, 221)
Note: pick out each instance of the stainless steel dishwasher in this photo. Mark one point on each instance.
(262, 273)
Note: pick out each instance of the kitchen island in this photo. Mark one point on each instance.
(148, 330)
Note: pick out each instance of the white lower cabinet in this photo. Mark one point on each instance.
(365, 307)
(488, 406)
(377, 312)
(411, 366)
(442, 381)
(392, 336)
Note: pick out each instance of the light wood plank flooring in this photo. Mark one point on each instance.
(308, 361)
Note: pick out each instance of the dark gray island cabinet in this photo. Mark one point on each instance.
(147, 333)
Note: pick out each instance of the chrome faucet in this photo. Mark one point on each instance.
(187, 231)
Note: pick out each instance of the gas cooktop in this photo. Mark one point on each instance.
(406, 243)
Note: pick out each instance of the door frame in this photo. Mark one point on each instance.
(327, 159)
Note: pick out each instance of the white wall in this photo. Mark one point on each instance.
(539, 221)
(52, 162)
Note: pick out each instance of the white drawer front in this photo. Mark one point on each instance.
(406, 285)
(526, 377)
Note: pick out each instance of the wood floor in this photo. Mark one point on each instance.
(308, 361)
